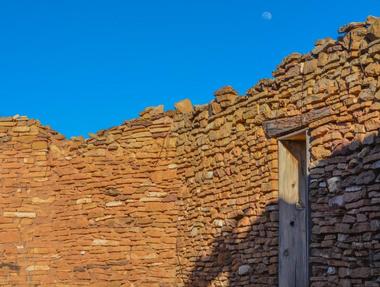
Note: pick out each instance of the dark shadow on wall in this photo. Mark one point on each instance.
(236, 248)
(344, 202)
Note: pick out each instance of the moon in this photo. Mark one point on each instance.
(267, 15)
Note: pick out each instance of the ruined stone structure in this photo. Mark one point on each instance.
(191, 197)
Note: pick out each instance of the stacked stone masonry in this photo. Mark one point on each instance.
(190, 197)
(99, 212)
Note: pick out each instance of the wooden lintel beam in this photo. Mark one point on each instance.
(279, 127)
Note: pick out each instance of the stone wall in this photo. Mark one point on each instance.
(228, 229)
(229, 218)
(96, 212)
(190, 197)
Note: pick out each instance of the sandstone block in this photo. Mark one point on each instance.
(21, 129)
(184, 106)
(225, 96)
(114, 203)
(152, 111)
(83, 200)
(19, 214)
(374, 29)
(310, 66)
(31, 268)
(39, 145)
(38, 200)
(105, 242)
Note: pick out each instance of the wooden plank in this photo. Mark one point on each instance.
(293, 205)
(279, 127)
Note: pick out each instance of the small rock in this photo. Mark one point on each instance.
(226, 96)
(333, 184)
(19, 214)
(310, 66)
(244, 269)
(114, 203)
(376, 165)
(321, 45)
(37, 268)
(374, 29)
(112, 192)
(365, 177)
(152, 111)
(366, 95)
(322, 184)
(84, 200)
(184, 106)
(219, 222)
(331, 270)
(209, 174)
(350, 26)
(336, 201)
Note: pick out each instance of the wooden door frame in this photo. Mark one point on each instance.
(300, 135)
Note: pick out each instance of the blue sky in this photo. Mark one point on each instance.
(81, 66)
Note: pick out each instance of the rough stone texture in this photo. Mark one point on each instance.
(189, 198)
(97, 212)
(228, 226)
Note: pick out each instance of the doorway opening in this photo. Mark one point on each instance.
(293, 210)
